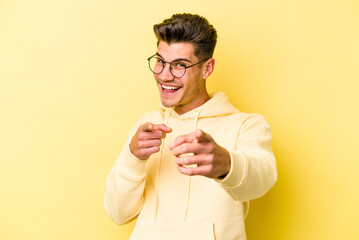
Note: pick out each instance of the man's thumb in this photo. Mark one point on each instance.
(148, 127)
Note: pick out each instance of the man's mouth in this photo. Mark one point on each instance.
(169, 89)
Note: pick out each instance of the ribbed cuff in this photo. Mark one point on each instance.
(131, 166)
(237, 173)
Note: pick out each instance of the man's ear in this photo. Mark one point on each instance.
(208, 68)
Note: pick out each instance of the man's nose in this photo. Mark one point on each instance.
(166, 74)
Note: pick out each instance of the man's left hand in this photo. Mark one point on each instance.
(199, 148)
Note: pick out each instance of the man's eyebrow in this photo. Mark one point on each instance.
(178, 59)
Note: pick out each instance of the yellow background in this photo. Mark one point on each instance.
(74, 79)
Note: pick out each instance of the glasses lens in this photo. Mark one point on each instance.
(156, 64)
(178, 69)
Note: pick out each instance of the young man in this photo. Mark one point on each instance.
(189, 170)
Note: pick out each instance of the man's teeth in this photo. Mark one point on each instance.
(170, 87)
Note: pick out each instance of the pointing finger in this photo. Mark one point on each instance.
(179, 140)
(162, 127)
(188, 138)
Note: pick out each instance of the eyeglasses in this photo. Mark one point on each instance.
(177, 67)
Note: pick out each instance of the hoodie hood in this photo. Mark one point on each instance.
(214, 107)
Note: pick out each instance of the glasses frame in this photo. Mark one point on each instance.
(170, 63)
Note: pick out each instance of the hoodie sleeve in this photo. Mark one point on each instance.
(125, 185)
(253, 167)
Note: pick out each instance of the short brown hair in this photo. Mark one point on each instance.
(190, 28)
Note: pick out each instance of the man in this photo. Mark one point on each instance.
(189, 170)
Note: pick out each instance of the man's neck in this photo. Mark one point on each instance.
(184, 109)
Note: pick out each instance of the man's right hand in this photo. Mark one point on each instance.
(148, 139)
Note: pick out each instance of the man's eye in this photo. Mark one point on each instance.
(160, 61)
(179, 64)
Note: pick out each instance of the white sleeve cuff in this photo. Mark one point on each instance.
(130, 166)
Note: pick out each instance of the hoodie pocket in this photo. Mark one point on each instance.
(173, 231)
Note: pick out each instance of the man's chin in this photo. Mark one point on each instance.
(167, 104)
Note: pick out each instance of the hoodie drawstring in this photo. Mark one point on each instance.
(190, 177)
(167, 117)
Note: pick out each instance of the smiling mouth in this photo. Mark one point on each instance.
(169, 89)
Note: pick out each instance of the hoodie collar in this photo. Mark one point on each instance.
(217, 105)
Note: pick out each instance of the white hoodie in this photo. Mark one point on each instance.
(175, 206)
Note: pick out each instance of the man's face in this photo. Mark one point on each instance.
(187, 92)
